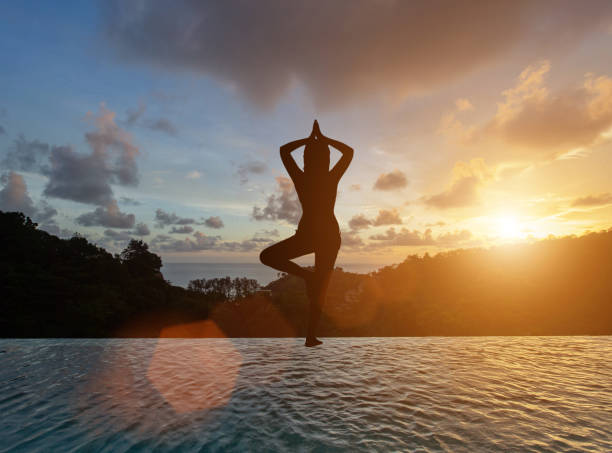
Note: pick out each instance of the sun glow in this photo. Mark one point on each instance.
(509, 227)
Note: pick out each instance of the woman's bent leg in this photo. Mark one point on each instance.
(279, 256)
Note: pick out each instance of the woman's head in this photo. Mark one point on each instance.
(316, 157)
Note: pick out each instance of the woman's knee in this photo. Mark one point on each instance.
(267, 256)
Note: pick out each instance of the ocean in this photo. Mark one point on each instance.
(181, 273)
(434, 394)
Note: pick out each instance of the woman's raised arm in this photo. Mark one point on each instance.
(347, 151)
(345, 160)
(288, 160)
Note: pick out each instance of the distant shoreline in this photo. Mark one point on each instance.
(180, 273)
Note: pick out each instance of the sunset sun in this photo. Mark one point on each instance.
(509, 227)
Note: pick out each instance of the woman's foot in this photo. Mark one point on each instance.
(311, 342)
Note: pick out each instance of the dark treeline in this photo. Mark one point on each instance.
(53, 287)
(558, 286)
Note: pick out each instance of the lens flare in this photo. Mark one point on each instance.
(196, 376)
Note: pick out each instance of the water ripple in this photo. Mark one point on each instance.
(511, 394)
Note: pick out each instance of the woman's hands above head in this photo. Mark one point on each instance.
(313, 134)
(316, 132)
(316, 135)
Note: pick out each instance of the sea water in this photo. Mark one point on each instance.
(181, 273)
(469, 394)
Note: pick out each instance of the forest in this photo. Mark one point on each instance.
(52, 287)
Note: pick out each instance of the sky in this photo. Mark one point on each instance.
(473, 124)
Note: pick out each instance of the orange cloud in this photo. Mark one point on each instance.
(384, 217)
(391, 181)
(464, 189)
(541, 124)
(406, 237)
(593, 200)
(463, 104)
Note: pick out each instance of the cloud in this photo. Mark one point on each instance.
(247, 245)
(387, 217)
(384, 217)
(355, 187)
(198, 242)
(115, 147)
(87, 178)
(214, 222)
(273, 233)
(283, 205)
(454, 238)
(52, 228)
(30, 156)
(463, 104)
(391, 181)
(359, 222)
(351, 240)
(134, 115)
(593, 200)
(163, 125)
(539, 123)
(108, 216)
(163, 219)
(468, 178)
(141, 229)
(14, 197)
(78, 177)
(251, 167)
(462, 192)
(120, 236)
(129, 201)
(185, 229)
(341, 50)
(115, 238)
(193, 175)
(406, 237)
(44, 212)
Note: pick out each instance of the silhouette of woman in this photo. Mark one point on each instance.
(318, 231)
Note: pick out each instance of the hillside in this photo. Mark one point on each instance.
(55, 287)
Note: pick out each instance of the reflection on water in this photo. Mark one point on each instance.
(426, 394)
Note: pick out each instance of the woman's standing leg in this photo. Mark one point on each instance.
(325, 259)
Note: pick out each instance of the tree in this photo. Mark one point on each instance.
(139, 260)
(224, 289)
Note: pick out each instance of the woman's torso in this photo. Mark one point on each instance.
(318, 197)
